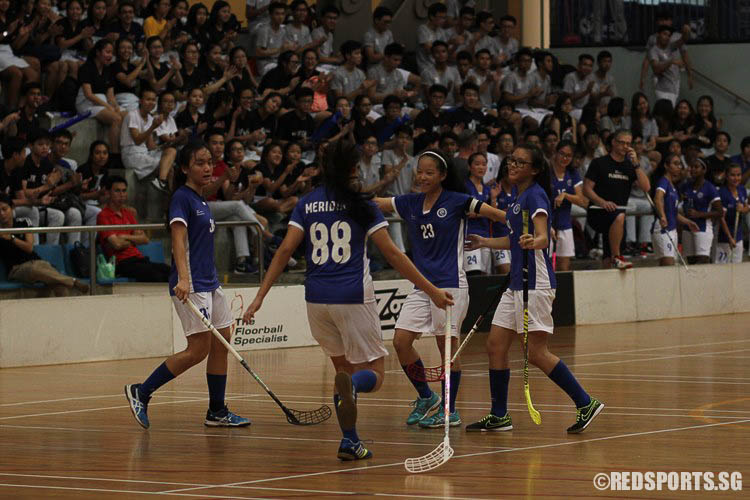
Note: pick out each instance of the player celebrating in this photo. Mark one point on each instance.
(567, 188)
(734, 199)
(479, 261)
(664, 229)
(193, 277)
(505, 198)
(335, 221)
(435, 218)
(530, 176)
(702, 205)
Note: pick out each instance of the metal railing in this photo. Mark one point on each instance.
(737, 98)
(129, 227)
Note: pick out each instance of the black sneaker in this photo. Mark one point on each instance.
(245, 266)
(491, 423)
(585, 415)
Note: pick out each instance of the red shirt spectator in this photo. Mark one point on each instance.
(108, 216)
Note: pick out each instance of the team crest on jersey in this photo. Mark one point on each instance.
(570, 182)
(516, 208)
(700, 195)
(442, 212)
(213, 226)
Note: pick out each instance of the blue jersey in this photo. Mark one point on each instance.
(541, 275)
(478, 225)
(191, 209)
(561, 215)
(338, 269)
(671, 198)
(699, 199)
(437, 237)
(729, 202)
(504, 200)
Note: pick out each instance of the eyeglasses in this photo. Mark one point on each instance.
(624, 143)
(517, 162)
(565, 155)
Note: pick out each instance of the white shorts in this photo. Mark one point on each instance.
(537, 114)
(565, 246)
(9, 59)
(141, 162)
(418, 313)
(697, 244)
(478, 260)
(662, 245)
(509, 312)
(349, 330)
(214, 306)
(500, 257)
(727, 255)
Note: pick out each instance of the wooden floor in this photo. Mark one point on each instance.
(676, 395)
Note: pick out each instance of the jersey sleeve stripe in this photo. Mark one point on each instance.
(715, 199)
(537, 211)
(472, 205)
(661, 189)
(577, 183)
(178, 219)
(376, 227)
(395, 209)
(297, 225)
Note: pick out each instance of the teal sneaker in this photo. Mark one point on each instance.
(225, 418)
(436, 420)
(585, 415)
(349, 450)
(491, 423)
(422, 406)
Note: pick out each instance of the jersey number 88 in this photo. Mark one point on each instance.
(340, 235)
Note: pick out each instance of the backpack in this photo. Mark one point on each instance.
(79, 260)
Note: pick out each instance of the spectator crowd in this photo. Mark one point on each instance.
(156, 75)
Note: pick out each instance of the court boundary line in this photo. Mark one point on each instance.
(525, 448)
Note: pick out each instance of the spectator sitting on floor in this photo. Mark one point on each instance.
(130, 262)
(25, 266)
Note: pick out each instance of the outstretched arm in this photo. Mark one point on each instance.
(292, 240)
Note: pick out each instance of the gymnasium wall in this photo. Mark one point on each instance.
(143, 324)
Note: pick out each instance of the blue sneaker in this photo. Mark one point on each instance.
(422, 406)
(138, 404)
(225, 418)
(349, 450)
(437, 420)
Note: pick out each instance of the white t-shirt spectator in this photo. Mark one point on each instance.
(449, 78)
(267, 38)
(136, 121)
(347, 81)
(403, 182)
(385, 82)
(573, 84)
(669, 80)
(378, 41)
(427, 35)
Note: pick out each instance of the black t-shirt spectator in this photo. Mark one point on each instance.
(716, 166)
(471, 119)
(33, 175)
(100, 82)
(196, 80)
(269, 124)
(217, 35)
(25, 124)
(5, 181)
(246, 124)
(613, 180)
(159, 73)
(11, 254)
(212, 75)
(120, 88)
(184, 120)
(247, 172)
(134, 33)
(429, 122)
(96, 181)
(275, 79)
(294, 128)
(70, 32)
(363, 130)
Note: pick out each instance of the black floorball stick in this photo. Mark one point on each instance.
(296, 417)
